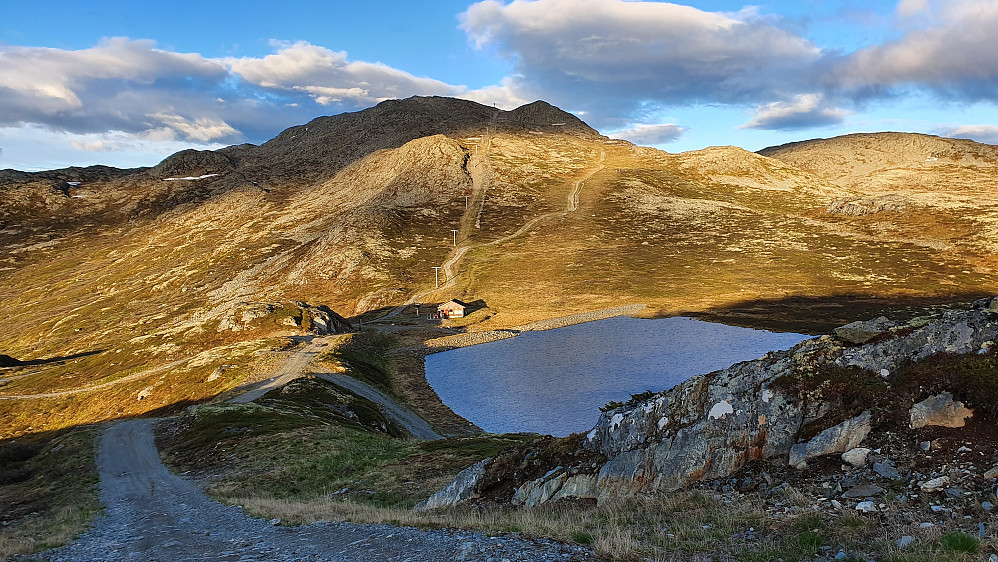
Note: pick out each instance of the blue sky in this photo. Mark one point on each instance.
(128, 83)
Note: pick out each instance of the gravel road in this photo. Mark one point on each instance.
(154, 515)
(412, 423)
(292, 369)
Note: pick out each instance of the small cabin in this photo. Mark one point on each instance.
(452, 309)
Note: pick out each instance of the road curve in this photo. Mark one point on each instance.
(571, 206)
(415, 425)
(153, 515)
(293, 368)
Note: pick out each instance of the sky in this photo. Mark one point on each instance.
(127, 83)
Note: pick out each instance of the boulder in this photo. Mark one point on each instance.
(856, 456)
(863, 331)
(462, 488)
(837, 439)
(939, 410)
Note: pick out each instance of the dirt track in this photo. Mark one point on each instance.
(154, 515)
(415, 425)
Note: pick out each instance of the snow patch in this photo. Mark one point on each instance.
(191, 178)
(615, 421)
(591, 435)
(662, 422)
(767, 395)
(720, 409)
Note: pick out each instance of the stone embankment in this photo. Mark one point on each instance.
(822, 397)
(475, 338)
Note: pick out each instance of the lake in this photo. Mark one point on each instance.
(554, 381)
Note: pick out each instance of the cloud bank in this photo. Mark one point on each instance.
(617, 63)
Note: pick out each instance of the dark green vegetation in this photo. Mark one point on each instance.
(311, 439)
(367, 358)
(47, 489)
(971, 378)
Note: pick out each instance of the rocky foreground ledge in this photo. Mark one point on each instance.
(808, 409)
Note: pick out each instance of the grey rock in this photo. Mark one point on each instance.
(462, 488)
(863, 491)
(925, 445)
(954, 492)
(887, 470)
(866, 507)
(987, 506)
(842, 437)
(992, 473)
(856, 456)
(939, 410)
(863, 331)
(904, 541)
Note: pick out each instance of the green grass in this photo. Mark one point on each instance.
(48, 487)
(957, 542)
(310, 440)
(365, 355)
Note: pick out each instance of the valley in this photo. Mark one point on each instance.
(149, 291)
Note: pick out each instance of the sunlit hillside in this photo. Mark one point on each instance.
(144, 289)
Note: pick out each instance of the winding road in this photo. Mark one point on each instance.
(448, 266)
(153, 515)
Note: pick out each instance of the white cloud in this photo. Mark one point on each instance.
(33, 147)
(910, 8)
(651, 134)
(609, 56)
(804, 111)
(329, 77)
(957, 56)
(987, 134)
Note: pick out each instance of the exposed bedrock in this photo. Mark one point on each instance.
(711, 425)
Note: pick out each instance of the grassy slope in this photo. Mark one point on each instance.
(47, 490)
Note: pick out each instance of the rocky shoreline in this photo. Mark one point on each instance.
(796, 411)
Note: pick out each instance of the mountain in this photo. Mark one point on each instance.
(184, 278)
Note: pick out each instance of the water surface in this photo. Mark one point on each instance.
(554, 382)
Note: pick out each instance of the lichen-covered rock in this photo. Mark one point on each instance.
(940, 410)
(863, 331)
(711, 425)
(856, 456)
(837, 439)
(462, 488)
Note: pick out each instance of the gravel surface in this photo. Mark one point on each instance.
(154, 515)
(415, 425)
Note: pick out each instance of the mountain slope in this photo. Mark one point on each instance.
(184, 288)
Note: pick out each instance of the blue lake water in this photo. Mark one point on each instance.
(554, 382)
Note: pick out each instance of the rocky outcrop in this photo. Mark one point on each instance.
(295, 316)
(838, 439)
(859, 206)
(712, 425)
(940, 410)
(461, 489)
